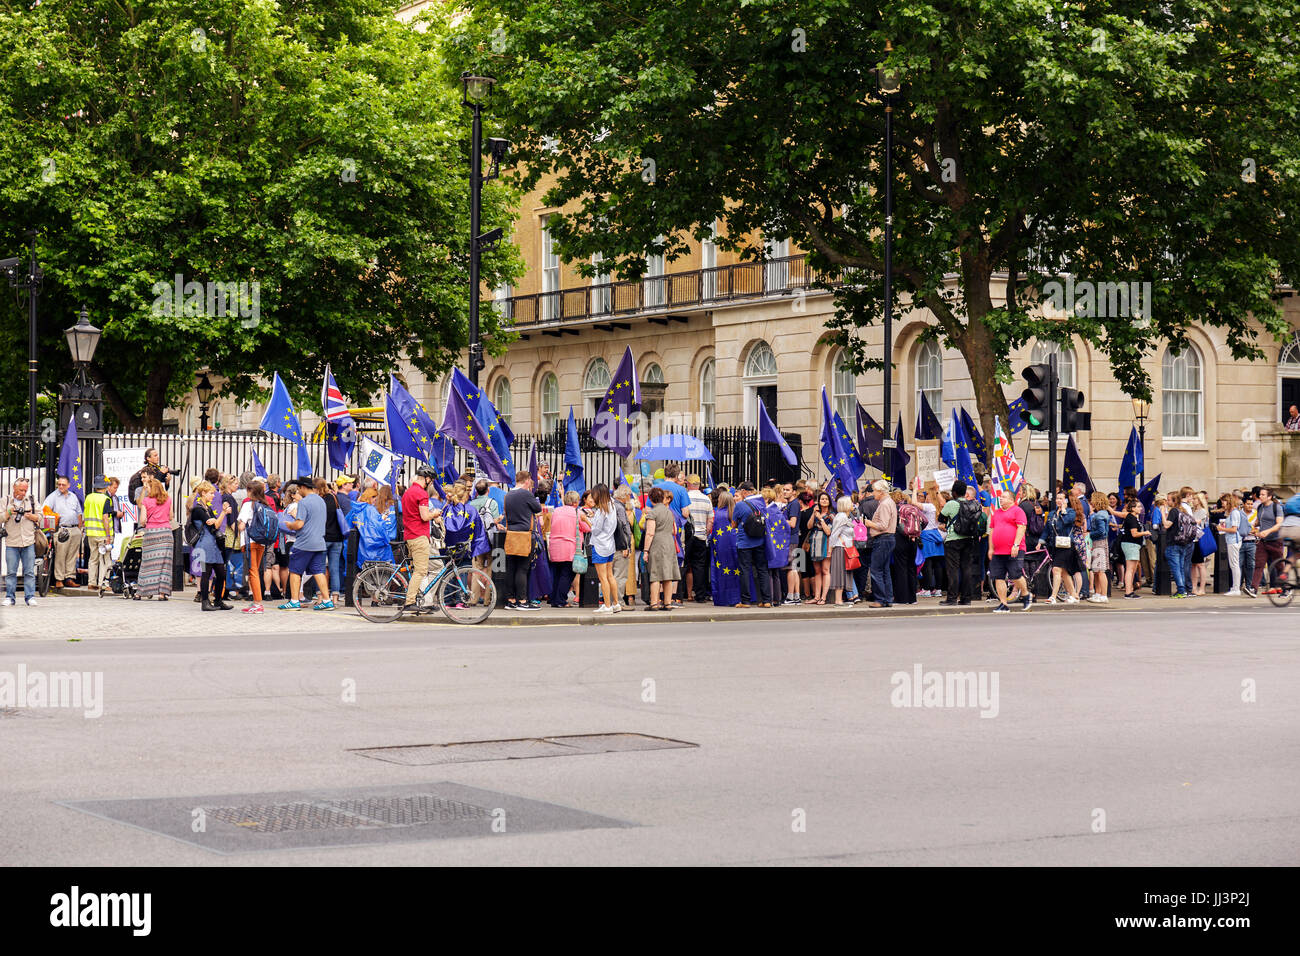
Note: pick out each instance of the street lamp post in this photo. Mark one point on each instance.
(81, 400)
(204, 390)
(888, 84)
(1141, 412)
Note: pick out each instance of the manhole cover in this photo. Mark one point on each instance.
(471, 751)
(241, 823)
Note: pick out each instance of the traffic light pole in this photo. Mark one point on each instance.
(1051, 425)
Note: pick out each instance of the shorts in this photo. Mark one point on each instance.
(598, 559)
(282, 554)
(307, 562)
(1132, 552)
(268, 557)
(1007, 567)
(1099, 556)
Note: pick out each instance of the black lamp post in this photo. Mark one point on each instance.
(1141, 412)
(204, 390)
(888, 83)
(81, 400)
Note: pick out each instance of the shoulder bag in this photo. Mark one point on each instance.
(519, 544)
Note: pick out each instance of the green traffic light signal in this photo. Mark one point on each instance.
(1036, 397)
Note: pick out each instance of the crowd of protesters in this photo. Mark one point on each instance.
(659, 541)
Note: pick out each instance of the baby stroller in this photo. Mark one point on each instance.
(124, 576)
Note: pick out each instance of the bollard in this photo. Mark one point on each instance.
(350, 565)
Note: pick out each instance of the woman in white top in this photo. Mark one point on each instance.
(841, 539)
(604, 520)
(1234, 520)
(1200, 511)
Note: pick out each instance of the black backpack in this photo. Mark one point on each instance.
(622, 532)
(1184, 527)
(754, 525)
(969, 519)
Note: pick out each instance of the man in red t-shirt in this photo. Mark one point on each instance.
(1007, 551)
(416, 515)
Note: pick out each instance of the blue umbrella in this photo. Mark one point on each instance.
(674, 447)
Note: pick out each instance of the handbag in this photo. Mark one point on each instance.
(1063, 541)
(579, 561)
(519, 544)
(1207, 543)
(42, 544)
(851, 559)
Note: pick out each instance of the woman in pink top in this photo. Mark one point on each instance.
(156, 560)
(567, 523)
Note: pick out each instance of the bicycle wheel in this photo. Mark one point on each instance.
(467, 596)
(44, 568)
(1286, 580)
(379, 593)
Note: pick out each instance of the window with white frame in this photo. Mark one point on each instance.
(550, 403)
(708, 392)
(929, 376)
(1066, 371)
(550, 274)
(844, 389)
(602, 293)
(1182, 394)
(505, 308)
(709, 263)
(501, 399)
(654, 375)
(654, 278)
(594, 385)
(777, 269)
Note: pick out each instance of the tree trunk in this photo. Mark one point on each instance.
(976, 347)
(155, 402)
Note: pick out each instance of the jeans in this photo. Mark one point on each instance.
(1177, 569)
(882, 572)
(754, 560)
(1247, 561)
(26, 556)
(334, 561)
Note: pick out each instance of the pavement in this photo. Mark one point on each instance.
(1163, 736)
(83, 615)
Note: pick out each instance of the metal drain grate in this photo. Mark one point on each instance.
(237, 823)
(411, 811)
(472, 751)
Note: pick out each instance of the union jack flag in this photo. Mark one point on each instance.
(1006, 470)
(331, 398)
(341, 430)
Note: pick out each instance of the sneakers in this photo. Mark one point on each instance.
(1071, 599)
(615, 609)
(526, 606)
(1249, 591)
(1096, 598)
(290, 606)
(323, 606)
(603, 609)
(1132, 596)
(1001, 609)
(1179, 594)
(1028, 602)
(1234, 592)
(253, 609)
(8, 602)
(31, 602)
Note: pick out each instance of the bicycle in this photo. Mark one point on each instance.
(1284, 573)
(464, 594)
(44, 565)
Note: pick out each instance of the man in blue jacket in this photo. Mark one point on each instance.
(751, 551)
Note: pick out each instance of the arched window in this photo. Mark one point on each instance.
(594, 385)
(708, 392)
(550, 403)
(844, 389)
(190, 419)
(1289, 358)
(761, 361)
(929, 376)
(654, 375)
(1181, 393)
(1065, 365)
(501, 399)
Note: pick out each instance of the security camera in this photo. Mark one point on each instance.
(500, 148)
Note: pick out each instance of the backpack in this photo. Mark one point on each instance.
(969, 519)
(1184, 527)
(264, 528)
(1292, 506)
(911, 519)
(622, 531)
(1034, 524)
(754, 526)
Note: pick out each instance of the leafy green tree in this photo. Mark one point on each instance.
(1118, 141)
(318, 150)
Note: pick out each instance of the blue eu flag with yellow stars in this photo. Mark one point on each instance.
(486, 413)
(611, 427)
(974, 440)
(834, 454)
(961, 451)
(70, 461)
(856, 463)
(281, 419)
(471, 434)
(575, 476)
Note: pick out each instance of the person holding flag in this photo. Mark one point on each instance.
(281, 419)
(340, 429)
(65, 502)
(1006, 470)
(575, 478)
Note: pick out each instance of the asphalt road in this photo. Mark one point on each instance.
(1118, 739)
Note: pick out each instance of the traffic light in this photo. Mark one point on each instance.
(1037, 397)
(1073, 420)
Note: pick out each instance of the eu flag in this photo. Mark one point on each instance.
(767, 432)
(898, 458)
(532, 461)
(575, 477)
(399, 433)
(497, 431)
(1131, 466)
(258, 468)
(281, 419)
(974, 440)
(421, 432)
(1073, 470)
(462, 425)
(946, 451)
(927, 423)
(70, 461)
(611, 428)
(871, 439)
(1147, 495)
(833, 452)
(856, 463)
(961, 451)
(1013, 416)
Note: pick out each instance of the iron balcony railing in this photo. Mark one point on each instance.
(677, 290)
